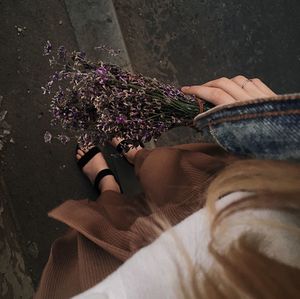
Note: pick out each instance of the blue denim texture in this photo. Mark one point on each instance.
(263, 129)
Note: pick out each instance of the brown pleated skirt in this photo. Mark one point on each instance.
(105, 233)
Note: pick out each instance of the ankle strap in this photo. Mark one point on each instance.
(101, 174)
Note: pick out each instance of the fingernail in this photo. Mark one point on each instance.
(183, 88)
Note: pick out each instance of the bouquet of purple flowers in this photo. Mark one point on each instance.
(100, 101)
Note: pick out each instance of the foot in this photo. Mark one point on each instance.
(92, 168)
(130, 155)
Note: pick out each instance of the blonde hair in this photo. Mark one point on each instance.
(243, 271)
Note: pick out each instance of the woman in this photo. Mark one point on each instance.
(107, 232)
(242, 244)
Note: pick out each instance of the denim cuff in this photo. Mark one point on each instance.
(265, 128)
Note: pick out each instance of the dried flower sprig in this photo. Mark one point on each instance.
(101, 101)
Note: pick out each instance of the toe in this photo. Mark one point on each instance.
(78, 156)
(116, 140)
(80, 152)
(85, 150)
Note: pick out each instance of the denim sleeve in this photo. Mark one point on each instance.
(263, 128)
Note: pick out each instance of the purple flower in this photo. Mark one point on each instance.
(45, 90)
(98, 101)
(101, 71)
(47, 48)
(52, 61)
(61, 53)
(55, 76)
(121, 120)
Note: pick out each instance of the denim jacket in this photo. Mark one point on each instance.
(266, 128)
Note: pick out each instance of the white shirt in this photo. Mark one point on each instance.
(153, 271)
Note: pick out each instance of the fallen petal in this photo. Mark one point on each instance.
(47, 137)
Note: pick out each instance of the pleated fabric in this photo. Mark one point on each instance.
(106, 232)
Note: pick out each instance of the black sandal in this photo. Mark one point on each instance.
(124, 146)
(102, 173)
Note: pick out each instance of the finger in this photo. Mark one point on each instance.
(215, 96)
(263, 87)
(229, 87)
(249, 86)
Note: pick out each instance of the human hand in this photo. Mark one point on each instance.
(225, 91)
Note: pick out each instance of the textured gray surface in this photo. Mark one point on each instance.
(188, 42)
(38, 176)
(14, 281)
(95, 24)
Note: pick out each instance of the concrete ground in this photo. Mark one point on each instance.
(15, 281)
(195, 41)
(183, 42)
